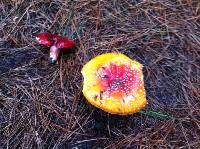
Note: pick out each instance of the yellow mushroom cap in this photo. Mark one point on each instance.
(114, 83)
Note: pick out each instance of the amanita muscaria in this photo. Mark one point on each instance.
(114, 83)
(56, 43)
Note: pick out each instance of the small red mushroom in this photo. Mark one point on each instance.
(45, 39)
(56, 43)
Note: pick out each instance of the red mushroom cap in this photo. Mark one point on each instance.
(56, 42)
(65, 43)
(49, 39)
(45, 39)
(56, 37)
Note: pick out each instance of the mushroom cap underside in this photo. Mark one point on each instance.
(114, 83)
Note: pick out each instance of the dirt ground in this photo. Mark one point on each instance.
(41, 104)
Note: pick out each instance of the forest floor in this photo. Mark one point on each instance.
(41, 104)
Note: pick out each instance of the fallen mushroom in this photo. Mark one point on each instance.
(56, 43)
(114, 83)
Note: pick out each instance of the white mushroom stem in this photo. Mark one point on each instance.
(54, 52)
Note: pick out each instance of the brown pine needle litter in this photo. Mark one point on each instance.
(42, 105)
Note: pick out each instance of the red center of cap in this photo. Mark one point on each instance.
(118, 80)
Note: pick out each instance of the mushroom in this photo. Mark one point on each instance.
(114, 83)
(45, 39)
(56, 43)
